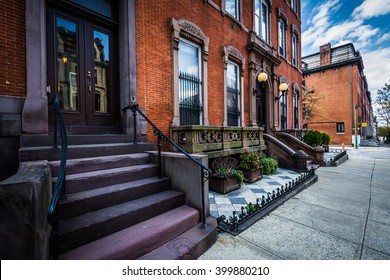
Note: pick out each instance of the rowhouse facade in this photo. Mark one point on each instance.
(220, 77)
(343, 108)
(185, 63)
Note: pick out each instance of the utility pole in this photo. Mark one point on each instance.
(355, 124)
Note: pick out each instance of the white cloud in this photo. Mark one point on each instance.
(377, 69)
(371, 8)
(384, 38)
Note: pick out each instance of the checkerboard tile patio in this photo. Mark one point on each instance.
(225, 204)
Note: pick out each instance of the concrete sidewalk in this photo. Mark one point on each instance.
(345, 215)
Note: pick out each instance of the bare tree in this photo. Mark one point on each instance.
(383, 103)
(310, 104)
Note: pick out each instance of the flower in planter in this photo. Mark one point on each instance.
(226, 167)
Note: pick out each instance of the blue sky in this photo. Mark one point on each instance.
(365, 23)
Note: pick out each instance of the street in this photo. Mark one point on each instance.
(344, 216)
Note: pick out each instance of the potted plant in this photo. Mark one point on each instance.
(226, 177)
(250, 164)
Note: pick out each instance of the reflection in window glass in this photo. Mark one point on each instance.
(67, 64)
(232, 7)
(102, 71)
(233, 95)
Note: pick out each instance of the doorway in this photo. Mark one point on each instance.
(82, 71)
(261, 111)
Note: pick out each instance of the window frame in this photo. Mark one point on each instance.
(296, 108)
(259, 20)
(237, 9)
(282, 34)
(199, 76)
(238, 89)
(294, 5)
(283, 101)
(340, 125)
(294, 49)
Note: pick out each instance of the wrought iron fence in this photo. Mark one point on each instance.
(190, 104)
(254, 211)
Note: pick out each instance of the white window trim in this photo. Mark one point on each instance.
(259, 18)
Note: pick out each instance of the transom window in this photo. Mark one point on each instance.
(233, 94)
(233, 8)
(262, 19)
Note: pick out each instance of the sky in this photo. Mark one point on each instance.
(364, 23)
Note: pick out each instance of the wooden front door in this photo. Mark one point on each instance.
(82, 67)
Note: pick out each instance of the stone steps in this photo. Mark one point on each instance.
(137, 240)
(82, 229)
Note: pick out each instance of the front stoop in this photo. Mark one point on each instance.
(116, 207)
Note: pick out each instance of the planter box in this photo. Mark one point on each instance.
(224, 185)
(254, 175)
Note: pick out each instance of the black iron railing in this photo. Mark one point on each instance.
(205, 172)
(254, 211)
(59, 188)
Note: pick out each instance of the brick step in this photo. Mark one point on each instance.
(82, 151)
(74, 166)
(189, 245)
(79, 230)
(95, 179)
(94, 199)
(139, 239)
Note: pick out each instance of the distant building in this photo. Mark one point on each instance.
(335, 77)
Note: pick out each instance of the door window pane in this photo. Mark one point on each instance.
(101, 45)
(67, 64)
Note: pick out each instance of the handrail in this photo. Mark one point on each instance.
(59, 188)
(205, 171)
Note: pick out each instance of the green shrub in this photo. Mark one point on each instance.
(313, 138)
(270, 165)
(325, 139)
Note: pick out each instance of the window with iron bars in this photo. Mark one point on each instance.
(189, 103)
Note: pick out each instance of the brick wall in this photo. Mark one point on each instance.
(13, 48)
(334, 88)
(154, 53)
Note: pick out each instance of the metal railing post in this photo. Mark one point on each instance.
(204, 225)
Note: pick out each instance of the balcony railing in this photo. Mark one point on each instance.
(216, 140)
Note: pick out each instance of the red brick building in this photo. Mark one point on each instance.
(337, 77)
(191, 65)
(49, 48)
